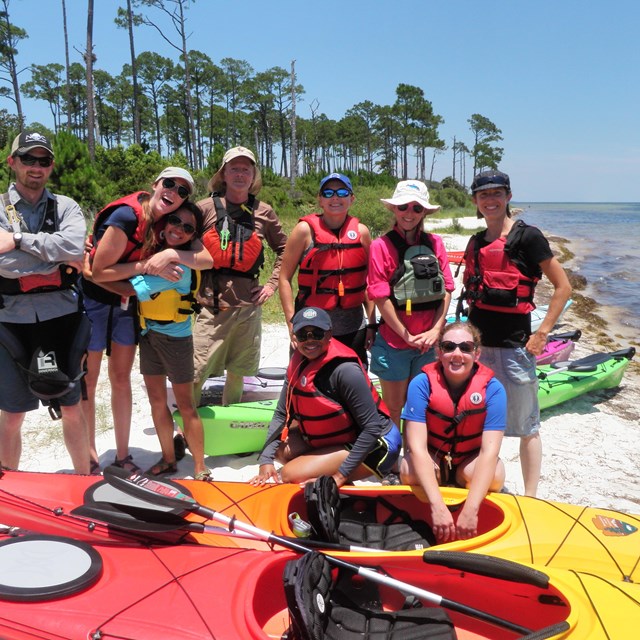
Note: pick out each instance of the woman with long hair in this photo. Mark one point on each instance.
(123, 246)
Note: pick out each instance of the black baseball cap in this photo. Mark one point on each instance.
(491, 179)
(27, 140)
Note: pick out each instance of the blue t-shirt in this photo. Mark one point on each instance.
(419, 392)
(145, 286)
(123, 218)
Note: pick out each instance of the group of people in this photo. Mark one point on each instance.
(156, 262)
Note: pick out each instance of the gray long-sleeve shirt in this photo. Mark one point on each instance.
(347, 385)
(41, 253)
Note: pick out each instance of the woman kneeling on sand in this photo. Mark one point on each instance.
(454, 421)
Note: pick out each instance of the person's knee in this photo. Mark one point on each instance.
(11, 422)
(407, 475)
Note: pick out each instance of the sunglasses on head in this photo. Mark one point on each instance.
(309, 334)
(448, 346)
(28, 160)
(417, 208)
(499, 181)
(172, 185)
(175, 221)
(341, 193)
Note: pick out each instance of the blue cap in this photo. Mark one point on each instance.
(336, 176)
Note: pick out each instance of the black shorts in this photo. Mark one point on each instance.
(57, 335)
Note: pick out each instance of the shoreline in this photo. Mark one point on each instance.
(590, 444)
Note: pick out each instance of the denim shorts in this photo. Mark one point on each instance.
(516, 369)
(393, 364)
(123, 324)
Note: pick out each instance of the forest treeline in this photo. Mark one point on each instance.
(113, 132)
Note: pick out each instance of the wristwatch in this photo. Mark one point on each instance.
(17, 238)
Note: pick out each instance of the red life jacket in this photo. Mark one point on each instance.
(323, 421)
(456, 429)
(134, 243)
(133, 248)
(333, 270)
(233, 243)
(493, 280)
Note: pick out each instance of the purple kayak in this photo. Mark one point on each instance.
(559, 347)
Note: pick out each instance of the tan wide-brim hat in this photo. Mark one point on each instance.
(217, 184)
(410, 191)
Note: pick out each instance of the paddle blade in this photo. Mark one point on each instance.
(148, 488)
(132, 518)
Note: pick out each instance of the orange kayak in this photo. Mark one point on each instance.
(540, 532)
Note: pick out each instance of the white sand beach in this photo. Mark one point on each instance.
(590, 444)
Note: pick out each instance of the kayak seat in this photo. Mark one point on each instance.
(349, 608)
(398, 532)
(354, 520)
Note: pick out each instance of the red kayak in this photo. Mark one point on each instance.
(55, 588)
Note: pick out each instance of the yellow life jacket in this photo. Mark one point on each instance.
(171, 306)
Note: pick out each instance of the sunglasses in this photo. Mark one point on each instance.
(172, 185)
(29, 161)
(341, 193)
(309, 334)
(447, 346)
(175, 221)
(417, 208)
(499, 181)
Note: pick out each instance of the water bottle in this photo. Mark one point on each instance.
(301, 528)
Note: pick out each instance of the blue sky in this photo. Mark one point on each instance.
(560, 78)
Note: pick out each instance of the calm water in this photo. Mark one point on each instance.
(606, 241)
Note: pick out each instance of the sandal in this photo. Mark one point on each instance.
(205, 476)
(94, 468)
(127, 464)
(392, 479)
(161, 467)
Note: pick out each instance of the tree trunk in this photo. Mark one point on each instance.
(89, 58)
(11, 65)
(294, 145)
(66, 59)
(137, 133)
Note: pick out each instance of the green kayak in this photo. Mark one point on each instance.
(242, 427)
(562, 381)
(236, 428)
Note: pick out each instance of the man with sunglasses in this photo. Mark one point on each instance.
(330, 420)
(41, 245)
(502, 267)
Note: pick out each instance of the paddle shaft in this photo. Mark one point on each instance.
(141, 485)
